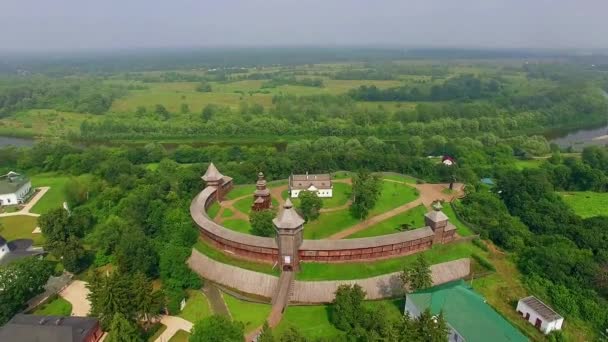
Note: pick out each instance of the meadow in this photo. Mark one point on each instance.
(20, 227)
(586, 203)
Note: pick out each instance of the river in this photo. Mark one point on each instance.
(7, 141)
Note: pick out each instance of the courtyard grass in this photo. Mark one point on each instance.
(56, 307)
(180, 336)
(244, 205)
(197, 307)
(310, 320)
(586, 203)
(392, 196)
(227, 213)
(55, 197)
(355, 270)
(461, 228)
(20, 227)
(240, 191)
(252, 315)
(414, 217)
(213, 210)
(237, 225)
(210, 251)
(328, 224)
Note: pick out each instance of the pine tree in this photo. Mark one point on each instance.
(121, 330)
(148, 302)
(418, 276)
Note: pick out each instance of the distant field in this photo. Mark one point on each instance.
(44, 122)
(20, 227)
(587, 203)
(528, 164)
(55, 197)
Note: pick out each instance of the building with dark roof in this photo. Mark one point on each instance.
(320, 184)
(539, 314)
(17, 249)
(14, 188)
(468, 315)
(35, 328)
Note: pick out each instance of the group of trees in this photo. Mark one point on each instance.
(366, 191)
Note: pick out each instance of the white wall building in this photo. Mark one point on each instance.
(14, 188)
(321, 184)
(539, 314)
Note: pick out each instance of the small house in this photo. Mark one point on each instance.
(321, 184)
(14, 188)
(448, 161)
(539, 314)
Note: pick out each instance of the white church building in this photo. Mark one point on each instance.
(14, 188)
(319, 183)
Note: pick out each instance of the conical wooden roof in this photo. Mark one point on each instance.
(212, 174)
(288, 218)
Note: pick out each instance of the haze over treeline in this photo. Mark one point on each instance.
(30, 25)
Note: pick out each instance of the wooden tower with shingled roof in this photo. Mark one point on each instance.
(289, 226)
(261, 196)
(438, 221)
(214, 178)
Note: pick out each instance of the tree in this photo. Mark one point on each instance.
(347, 309)
(73, 255)
(208, 112)
(62, 233)
(266, 334)
(20, 281)
(122, 330)
(417, 276)
(110, 295)
(431, 328)
(217, 329)
(184, 108)
(148, 302)
(162, 112)
(366, 191)
(292, 334)
(135, 253)
(261, 223)
(172, 266)
(204, 87)
(310, 205)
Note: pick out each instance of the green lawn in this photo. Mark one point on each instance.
(341, 195)
(586, 203)
(20, 227)
(158, 332)
(328, 224)
(244, 205)
(56, 307)
(238, 225)
(213, 210)
(414, 217)
(461, 228)
(227, 213)
(180, 336)
(399, 178)
(356, 270)
(55, 197)
(393, 195)
(197, 307)
(311, 320)
(251, 314)
(203, 247)
(521, 164)
(240, 191)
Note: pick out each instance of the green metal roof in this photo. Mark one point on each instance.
(467, 312)
(12, 182)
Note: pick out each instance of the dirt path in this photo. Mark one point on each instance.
(76, 293)
(30, 204)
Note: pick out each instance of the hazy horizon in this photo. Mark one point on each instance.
(116, 25)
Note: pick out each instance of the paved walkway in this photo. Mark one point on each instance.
(30, 204)
(174, 324)
(76, 293)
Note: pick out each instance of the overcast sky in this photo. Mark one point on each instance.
(94, 24)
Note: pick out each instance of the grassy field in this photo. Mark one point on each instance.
(353, 270)
(203, 247)
(197, 307)
(341, 195)
(311, 320)
(393, 195)
(587, 203)
(238, 225)
(414, 217)
(240, 191)
(213, 210)
(56, 307)
(55, 197)
(44, 122)
(227, 213)
(521, 164)
(328, 224)
(461, 228)
(251, 314)
(399, 178)
(20, 227)
(180, 336)
(244, 205)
